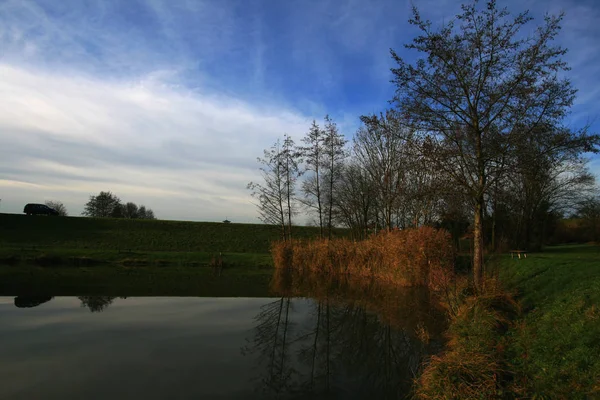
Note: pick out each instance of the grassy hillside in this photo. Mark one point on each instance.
(17, 231)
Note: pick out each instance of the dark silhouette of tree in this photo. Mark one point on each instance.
(130, 210)
(103, 205)
(589, 212)
(480, 87)
(356, 200)
(145, 213)
(58, 206)
(106, 204)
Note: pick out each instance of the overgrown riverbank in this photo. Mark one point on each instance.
(533, 334)
(409, 257)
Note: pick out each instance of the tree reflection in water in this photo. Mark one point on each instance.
(96, 303)
(359, 339)
(31, 301)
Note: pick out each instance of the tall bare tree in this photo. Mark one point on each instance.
(289, 159)
(480, 81)
(334, 153)
(312, 152)
(356, 200)
(276, 195)
(380, 148)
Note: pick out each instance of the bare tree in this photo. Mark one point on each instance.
(355, 200)
(312, 152)
(380, 148)
(289, 159)
(272, 193)
(481, 81)
(334, 153)
(58, 206)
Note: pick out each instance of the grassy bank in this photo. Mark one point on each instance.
(140, 235)
(555, 348)
(50, 256)
(76, 240)
(535, 333)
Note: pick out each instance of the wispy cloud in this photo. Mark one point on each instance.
(170, 102)
(146, 142)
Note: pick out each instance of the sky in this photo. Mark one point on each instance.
(168, 103)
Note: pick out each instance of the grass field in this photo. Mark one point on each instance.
(534, 333)
(79, 240)
(555, 349)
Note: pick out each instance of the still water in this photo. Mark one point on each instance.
(97, 347)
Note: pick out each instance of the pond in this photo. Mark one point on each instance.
(330, 342)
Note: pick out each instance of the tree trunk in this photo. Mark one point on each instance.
(478, 245)
(319, 199)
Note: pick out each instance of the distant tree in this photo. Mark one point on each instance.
(356, 199)
(334, 154)
(380, 148)
(290, 160)
(589, 212)
(104, 205)
(130, 210)
(144, 213)
(271, 194)
(481, 86)
(118, 211)
(312, 152)
(58, 206)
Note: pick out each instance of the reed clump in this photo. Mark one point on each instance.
(410, 257)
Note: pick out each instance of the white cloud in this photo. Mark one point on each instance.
(185, 154)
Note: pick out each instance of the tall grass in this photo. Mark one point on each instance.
(410, 257)
(473, 365)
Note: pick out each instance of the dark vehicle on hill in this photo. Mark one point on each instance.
(39, 209)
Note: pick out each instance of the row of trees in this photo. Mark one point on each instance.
(108, 205)
(476, 138)
(320, 159)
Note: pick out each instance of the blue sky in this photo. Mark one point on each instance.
(169, 102)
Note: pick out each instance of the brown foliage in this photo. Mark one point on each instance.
(409, 257)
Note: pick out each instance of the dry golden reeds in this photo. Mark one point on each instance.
(409, 257)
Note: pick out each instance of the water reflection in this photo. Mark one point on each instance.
(355, 339)
(31, 301)
(96, 303)
(318, 338)
(93, 303)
